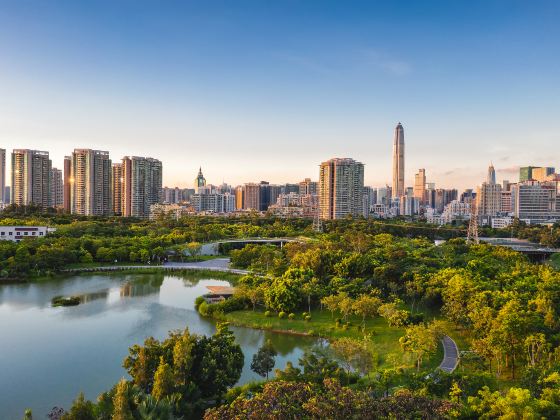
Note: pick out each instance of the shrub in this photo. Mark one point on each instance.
(416, 319)
(291, 316)
(282, 315)
(345, 327)
(198, 301)
(203, 309)
(303, 315)
(267, 314)
(308, 318)
(232, 304)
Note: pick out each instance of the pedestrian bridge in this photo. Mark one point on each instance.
(536, 252)
(215, 248)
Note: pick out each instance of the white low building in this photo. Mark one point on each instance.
(17, 233)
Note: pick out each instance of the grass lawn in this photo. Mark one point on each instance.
(385, 338)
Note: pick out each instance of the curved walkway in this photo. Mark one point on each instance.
(217, 264)
(450, 355)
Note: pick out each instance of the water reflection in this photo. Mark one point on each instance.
(48, 354)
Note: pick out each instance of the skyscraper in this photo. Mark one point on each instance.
(91, 191)
(142, 185)
(31, 173)
(489, 195)
(57, 189)
(117, 188)
(398, 162)
(2, 175)
(341, 184)
(252, 199)
(491, 178)
(67, 183)
(420, 185)
(199, 181)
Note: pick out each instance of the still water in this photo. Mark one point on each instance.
(48, 355)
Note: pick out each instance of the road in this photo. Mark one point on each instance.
(450, 355)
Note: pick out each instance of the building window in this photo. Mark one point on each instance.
(3, 233)
(11, 233)
(40, 233)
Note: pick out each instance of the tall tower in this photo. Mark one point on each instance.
(199, 181)
(398, 162)
(491, 175)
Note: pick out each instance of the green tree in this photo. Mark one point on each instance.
(81, 409)
(419, 340)
(163, 381)
(332, 303)
(346, 306)
(367, 306)
(194, 249)
(264, 359)
(121, 402)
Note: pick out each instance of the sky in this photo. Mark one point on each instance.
(267, 90)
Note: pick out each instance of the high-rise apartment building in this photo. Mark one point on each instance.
(398, 162)
(341, 184)
(239, 197)
(31, 173)
(420, 185)
(91, 191)
(141, 186)
(117, 180)
(308, 187)
(252, 196)
(2, 175)
(57, 189)
(67, 183)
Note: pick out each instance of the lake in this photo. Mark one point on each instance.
(49, 354)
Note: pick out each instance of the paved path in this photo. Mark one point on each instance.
(450, 355)
(217, 264)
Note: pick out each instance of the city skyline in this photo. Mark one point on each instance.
(233, 79)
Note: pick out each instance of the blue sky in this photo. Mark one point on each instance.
(266, 90)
